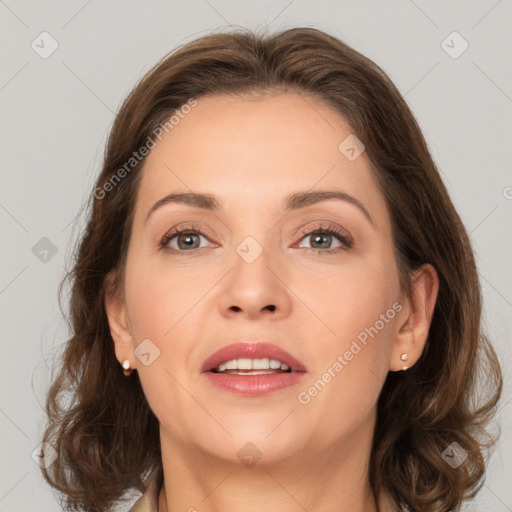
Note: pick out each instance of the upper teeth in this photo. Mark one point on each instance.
(252, 364)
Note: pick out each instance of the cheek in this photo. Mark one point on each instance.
(158, 307)
(357, 319)
(350, 371)
(351, 297)
(158, 297)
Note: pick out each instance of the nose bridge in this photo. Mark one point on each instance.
(252, 286)
(251, 272)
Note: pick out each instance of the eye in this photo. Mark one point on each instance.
(322, 237)
(183, 239)
(188, 239)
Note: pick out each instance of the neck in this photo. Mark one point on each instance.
(334, 479)
(235, 500)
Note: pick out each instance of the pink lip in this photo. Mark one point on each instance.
(253, 385)
(252, 351)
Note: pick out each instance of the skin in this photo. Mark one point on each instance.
(251, 153)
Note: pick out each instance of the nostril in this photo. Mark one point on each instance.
(270, 307)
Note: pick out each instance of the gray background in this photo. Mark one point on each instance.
(56, 113)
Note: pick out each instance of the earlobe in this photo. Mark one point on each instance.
(118, 321)
(416, 319)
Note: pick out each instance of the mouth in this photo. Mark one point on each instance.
(252, 359)
(253, 368)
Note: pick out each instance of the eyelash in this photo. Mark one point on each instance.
(321, 229)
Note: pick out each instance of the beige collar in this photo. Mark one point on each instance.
(148, 502)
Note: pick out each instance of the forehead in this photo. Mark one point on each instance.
(256, 149)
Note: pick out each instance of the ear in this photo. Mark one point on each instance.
(415, 318)
(115, 308)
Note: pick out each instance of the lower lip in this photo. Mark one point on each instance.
(254, 385)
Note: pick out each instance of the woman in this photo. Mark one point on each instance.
(275, 305)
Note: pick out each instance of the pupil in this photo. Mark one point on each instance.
(188, 240)
(319, 237)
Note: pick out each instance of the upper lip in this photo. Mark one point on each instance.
(247, 350)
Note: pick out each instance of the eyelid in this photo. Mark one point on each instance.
(190, 226)
(325, 225)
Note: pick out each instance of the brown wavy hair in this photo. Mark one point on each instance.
(99, 422)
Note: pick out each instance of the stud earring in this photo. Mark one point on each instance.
(404, 357)
(126, 367)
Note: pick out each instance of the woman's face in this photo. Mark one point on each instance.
(247, 272)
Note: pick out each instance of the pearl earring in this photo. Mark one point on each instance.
(404, 357)
(126, 367)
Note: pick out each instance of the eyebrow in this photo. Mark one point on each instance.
(294, 201)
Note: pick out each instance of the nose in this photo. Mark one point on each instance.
(255, 289)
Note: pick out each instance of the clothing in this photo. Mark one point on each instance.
(148, 502)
